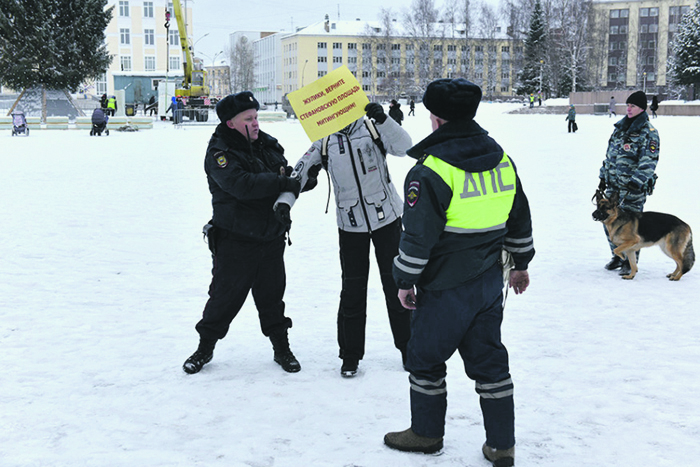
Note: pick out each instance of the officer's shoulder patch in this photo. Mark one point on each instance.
(412, 193)
(221, 160)
(653, 145)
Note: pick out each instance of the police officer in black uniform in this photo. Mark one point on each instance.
(246, 171)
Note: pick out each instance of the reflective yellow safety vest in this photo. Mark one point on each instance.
(481, 201)
(112, 103)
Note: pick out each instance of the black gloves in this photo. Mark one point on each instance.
(602, 185)
(376, 112)
(282, 215)
(313, 178)
(290, 184)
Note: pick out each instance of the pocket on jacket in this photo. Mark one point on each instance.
(377, 205)
(351, 212)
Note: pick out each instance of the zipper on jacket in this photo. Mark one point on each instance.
(362, 162)
(359, 186)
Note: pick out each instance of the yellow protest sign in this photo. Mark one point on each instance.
(329, 103)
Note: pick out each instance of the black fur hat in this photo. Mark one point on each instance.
(452, 99)
(233, 104)
(639, 99)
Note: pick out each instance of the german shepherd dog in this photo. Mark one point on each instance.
(630, 232)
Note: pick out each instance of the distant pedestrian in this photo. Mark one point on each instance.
(611, 109)
(571, 118)
(654, 106)
(152, 107)
(395, 111)
(412, 107)
(112, 105)
(532, 100)
(103, 102)
(539, 98)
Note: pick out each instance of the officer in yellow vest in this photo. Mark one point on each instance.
(464, 211)
(112, 105)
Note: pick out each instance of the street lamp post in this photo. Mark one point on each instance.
(302, 73)
(645, 82)
(195, 43)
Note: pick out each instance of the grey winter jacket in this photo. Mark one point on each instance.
(365, 197)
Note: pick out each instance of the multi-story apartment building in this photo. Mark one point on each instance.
(396, 64)
(637, 35)
(144, 51)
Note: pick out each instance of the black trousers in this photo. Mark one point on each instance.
(240, 267)
(352, 313)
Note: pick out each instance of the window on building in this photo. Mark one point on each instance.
(452, 48)
(653, 12)
(352, 46)
(148, 9)
(411, 61)
(492, 48)
(396, 61)
(614, 13)
(365, 74)
(623, 29)
(124, 36)
(651, 60)
(322, 59)
(321, 74)
(505, 48)
(644, 28)
(381, 74)
(365, 87)
(395, 46)
(366, 46)
(478, 48)
(518, 50)
(479, 62)
(437, 63)
(410, 47)
(504, 88)
(685, 10)
(322, 45)
(125, 62)
(644, 12)
(437, 48)
(479, 75)
(174, 62)
(624, 13)
(652, 44)
(123, 7)
(614, 29)
(651, 76)
(337, 59)
(352, 59)
(149, 37)
(381, 46)
(337, 45)
(505, 75)
(653, 28)
(149, 63)
(174, 38)
(101, 84)
(612, 77)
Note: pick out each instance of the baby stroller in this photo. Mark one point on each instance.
(19, 124)
(99, 123)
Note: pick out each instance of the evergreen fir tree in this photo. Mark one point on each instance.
(684, 66)
(535, 48)
(59, 44)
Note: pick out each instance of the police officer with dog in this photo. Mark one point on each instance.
(246, 171)
(629, 165)
(464, 212)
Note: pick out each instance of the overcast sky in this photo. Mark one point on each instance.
(219, 18)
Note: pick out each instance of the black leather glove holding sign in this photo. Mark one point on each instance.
(375, 112)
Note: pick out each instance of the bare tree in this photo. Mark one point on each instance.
(242, 62)
(571, 41)
(488, 28)
(420, 23)
(386, 76)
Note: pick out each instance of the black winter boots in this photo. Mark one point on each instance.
(283, 355)
(202, 356)
(408, 441)
(499, 457)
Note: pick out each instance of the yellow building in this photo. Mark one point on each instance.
(143, 51)
(397, 64)
(637, 37)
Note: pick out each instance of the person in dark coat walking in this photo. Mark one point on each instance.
(395, 111)
(571, 118)
(464, 212)
(246, 171)
(412, 107)
(654, 106)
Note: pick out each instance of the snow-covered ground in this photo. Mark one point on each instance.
(103, 275)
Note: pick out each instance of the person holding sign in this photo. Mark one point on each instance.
(368, 209)
(464, 206)
(246, 171)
